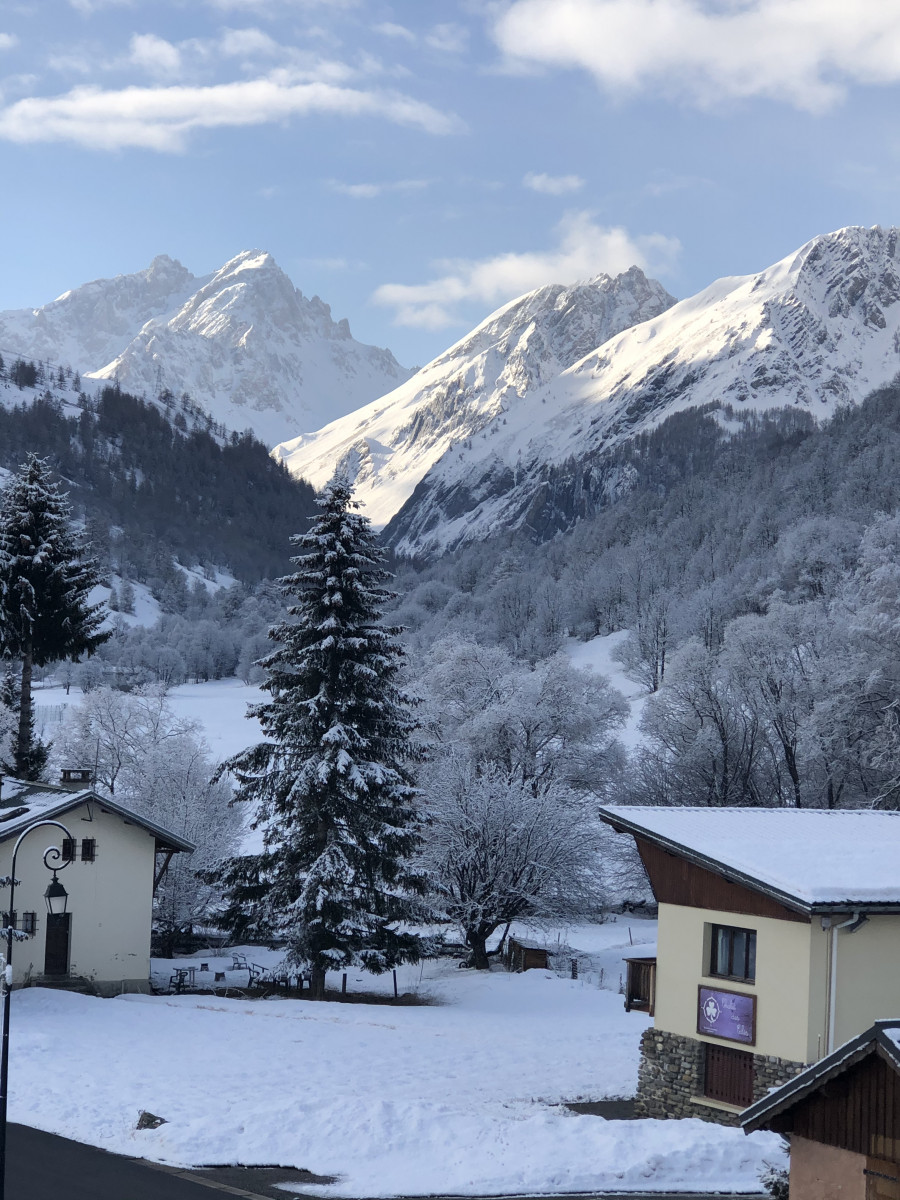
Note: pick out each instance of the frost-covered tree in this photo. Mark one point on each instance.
(46, 575)
(158, 764)
(550, 721)
(499, 850)
(332, 783)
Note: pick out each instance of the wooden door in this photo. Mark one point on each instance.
(729, 1075)
(56, 953)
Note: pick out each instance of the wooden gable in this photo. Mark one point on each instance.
(857, 1110)
(676, 880)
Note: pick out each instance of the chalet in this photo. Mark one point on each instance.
(111, 865)
(779, 939)
(842, 1117)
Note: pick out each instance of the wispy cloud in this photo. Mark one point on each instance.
(391, 30)
(449, 38)
(583, 249)
(163, 118)
(553, 185)
(154, 55)
(804, 52)
(368, 191)
(8, 40)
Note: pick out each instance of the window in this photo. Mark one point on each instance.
(68, 850)
(29, 923)
(9, 919)
(728, 1076)
(733, 953)
(88, 849)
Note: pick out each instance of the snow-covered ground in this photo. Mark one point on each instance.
(458, 1097)
(597, 655)
(220, 708)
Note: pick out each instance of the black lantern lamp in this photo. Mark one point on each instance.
(56, 896)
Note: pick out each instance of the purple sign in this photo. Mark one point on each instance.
(730, 1015)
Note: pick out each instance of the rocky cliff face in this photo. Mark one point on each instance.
(818, 329)
(481, 383)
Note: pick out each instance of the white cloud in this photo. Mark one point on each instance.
(368, 191)
(154, 55)
(553, 185)
(8, 40)
(162, 118)
(450, 38)
(391, 30)
(244, 43)
(804, 52)
(583, 249)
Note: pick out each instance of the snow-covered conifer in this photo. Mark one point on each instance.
(332, 782)
(46, 576)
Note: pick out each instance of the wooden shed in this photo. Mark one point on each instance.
(525, 956)
(842, 1117)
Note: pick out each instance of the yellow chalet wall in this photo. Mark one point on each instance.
(782, 987)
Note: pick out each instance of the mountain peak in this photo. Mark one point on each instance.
(243, 342)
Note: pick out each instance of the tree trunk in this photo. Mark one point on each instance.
(23, 743)
(477, 944)
(317, 984)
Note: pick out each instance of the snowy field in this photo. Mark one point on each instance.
(458, 1097)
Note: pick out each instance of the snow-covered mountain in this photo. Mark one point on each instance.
(87, 327)
(478, 384)
(818, 329)
(246, 344)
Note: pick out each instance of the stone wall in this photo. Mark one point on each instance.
(670, 1075)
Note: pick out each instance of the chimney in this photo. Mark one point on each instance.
(76, 779)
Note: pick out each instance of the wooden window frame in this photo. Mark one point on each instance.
(730, 930)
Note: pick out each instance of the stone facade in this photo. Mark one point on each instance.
(670, 1075)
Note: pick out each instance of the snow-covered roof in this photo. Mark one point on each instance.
(22, 803)
(883, 1034)
(813, 858)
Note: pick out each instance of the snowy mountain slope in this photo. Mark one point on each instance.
(247, 345)
(480, 382)
(819, 328)
(88, 326)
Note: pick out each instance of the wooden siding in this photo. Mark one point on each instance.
(859, 1111)
(676, 881)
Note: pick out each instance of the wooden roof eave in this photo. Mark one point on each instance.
(873, 1041)
(788, 899)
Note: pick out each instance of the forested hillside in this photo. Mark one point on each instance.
(155, 482)
(754, 559)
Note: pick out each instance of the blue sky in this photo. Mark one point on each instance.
(418, 163)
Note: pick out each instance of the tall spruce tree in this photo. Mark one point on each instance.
(45, 577)
(332, 783)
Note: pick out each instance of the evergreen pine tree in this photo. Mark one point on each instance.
(45, 578)
(332, 783)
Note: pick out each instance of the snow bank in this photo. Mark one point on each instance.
(449, 1098)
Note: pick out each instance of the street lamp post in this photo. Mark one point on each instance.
(57, 898)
